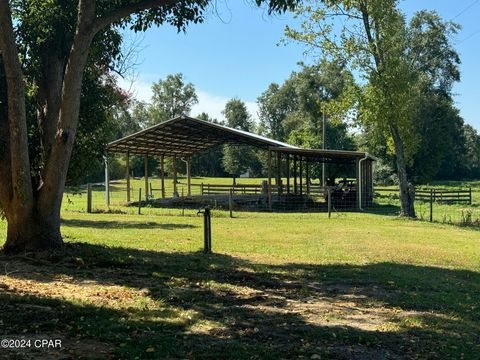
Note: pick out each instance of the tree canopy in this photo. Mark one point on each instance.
(171, 98)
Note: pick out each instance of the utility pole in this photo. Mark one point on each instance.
(323, 145)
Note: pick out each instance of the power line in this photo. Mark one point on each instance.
(466, 9)
(469, 36)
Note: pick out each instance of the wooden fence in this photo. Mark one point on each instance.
(214, 189)
(253, 189)
(443, 196)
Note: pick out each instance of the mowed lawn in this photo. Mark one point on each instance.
(278, 286)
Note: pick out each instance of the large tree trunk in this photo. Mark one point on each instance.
(33, 232)
(33, 210)
(33, 214)
(407, 190)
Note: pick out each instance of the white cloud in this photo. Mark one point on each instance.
(141, 90)
(212, 104)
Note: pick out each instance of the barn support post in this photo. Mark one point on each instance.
(189, 176)
(288, 173)
(145, 165)
(370, 182)
(278, 178)
(127, 175)
(269, 188)
(295, 187)
(162, 174)
(301, 175)
(107, 182)
(357, 183)
(431, 205)
(307, 175)
(89, 198)
(175, 192)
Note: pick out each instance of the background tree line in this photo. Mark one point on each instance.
(447, 149)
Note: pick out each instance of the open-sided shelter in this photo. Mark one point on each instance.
(184, 137)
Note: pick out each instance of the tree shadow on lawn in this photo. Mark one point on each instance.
(218, 306)
(113, 224)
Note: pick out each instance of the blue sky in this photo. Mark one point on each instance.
(235, 54)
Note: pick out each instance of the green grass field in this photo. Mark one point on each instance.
(278, 286)
(387, 203)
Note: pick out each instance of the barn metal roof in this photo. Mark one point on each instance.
(327, 155)
(186, 136)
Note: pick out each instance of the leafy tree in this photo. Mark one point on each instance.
(300, 102)
(140, 115)
(209, 163)
(171, 98)
(375, 42)
(275, 104)
(238, 159)
(472, 155)
(437, 125)
(441, 146)
(237, 116)
(437, 122)
(293, 112)
(98, 126)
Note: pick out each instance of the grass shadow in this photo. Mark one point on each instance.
(113, 224)
(219, 306)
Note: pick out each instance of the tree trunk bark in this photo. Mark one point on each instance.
(33, 215)
(32, 232)
(407, 190)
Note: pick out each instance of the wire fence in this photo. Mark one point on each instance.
(459, 206)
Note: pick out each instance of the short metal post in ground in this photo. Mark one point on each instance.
(139, 201)
(89, 198)
(207, 231)
(230, 203)
(431, 205)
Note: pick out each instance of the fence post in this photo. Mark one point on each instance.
(431, 204)
(329, 200)
(89, 198)
(201, 188)
(183, 204)
(230, 203)
(107, 183)
(151, 190)
(470, 195)
(139, 201)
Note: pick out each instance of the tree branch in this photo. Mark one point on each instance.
(57, 164)
(127, 10)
